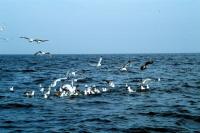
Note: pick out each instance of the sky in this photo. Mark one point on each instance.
(101, 26)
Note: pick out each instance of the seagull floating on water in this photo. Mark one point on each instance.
(129, 89)
(110, 82)
(11, 89)
(104, 89)
(33, 40)
(142, 88)
(29, 93)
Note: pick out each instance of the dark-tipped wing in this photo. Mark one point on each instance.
(48, 53)
(107, 81)
(149, 62)
(24, 37)
(40, 40)
(143, 67)
(44, 40)
(39, 52)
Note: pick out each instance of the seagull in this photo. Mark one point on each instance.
(29, 93)
(124, 67)
(42, 89)
(45, 96)
(144, 66)
(33, 40)
(104, 89)
(42, 53)
(146, 81)
(11, 89)
(99, 62)
(57, 80)
(142, 88)
(110, 82)
(129, 89)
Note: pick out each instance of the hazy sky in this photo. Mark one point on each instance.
(101, 26)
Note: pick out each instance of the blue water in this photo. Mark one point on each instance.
(171, 104)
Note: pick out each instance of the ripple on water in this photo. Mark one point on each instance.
(16, 106)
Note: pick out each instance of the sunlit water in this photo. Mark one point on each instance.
(171, 105)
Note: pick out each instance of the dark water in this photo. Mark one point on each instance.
(171, 105)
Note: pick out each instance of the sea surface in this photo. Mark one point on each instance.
(172, 104)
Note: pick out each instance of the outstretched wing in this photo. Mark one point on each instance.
(149, 62)
(48, 53)
(40, 40)
(24, 37)
(39, 52)
(44, 40)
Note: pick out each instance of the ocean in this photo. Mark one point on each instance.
(171, 104)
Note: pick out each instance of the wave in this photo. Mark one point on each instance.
(97, 120)
(15, 106)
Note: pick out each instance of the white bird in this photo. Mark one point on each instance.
(99, 62)
(129, 89)
(34, 40)
(104, 89)
(94, 90)
(40, 85)
(42, 89)
(29, 93)
(147, 86)
(73, 73)
(45, 96)
(125, 67)
(142, 88)
(57, 80)
(110, 83)
(146, 81)
(12, 89)
(49, 91)
(71, 88)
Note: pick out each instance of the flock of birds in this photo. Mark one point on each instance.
(30, 40)
(70, 89)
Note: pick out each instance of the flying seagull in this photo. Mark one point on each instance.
(124, 67)
(99, 62)
(144, 66)
(42, 53)
(33, 40)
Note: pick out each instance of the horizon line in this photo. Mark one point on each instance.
(109, 53)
